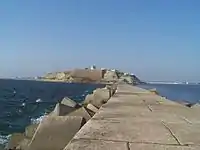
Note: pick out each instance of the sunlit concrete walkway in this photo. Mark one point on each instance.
(136, 119)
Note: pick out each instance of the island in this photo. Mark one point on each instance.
(92, 75)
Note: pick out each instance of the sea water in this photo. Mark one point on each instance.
(23, 102)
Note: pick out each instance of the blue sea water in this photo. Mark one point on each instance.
(177, 92)
(24, 101)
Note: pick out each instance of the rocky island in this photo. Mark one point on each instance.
(92, 75)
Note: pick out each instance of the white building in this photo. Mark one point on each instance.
(93, 67)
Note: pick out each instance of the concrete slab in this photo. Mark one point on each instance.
(55, 132)
(129, 99)
(183, 112)
(136, 146)
(156, 99)
(81, 112)
(186, 133)
(142, 120)
(126, 130)
(137, 116)
(95, 145)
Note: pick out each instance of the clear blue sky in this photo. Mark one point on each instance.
(155, 39)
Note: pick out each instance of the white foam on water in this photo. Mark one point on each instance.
(37, 120)
(4, 139)
(23, 104)
(38, 100)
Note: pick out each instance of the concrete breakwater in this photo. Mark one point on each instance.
(58, 128)
(137, 119)
(132, 119)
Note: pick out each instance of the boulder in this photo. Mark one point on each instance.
(55, 132)
(23, 145)
(81, 112)
(112, 88)
(14, 140)
(92, 108)
(30, 130)
(61, 110)
(127, 79)
(88, 99)
(68, 102)
(98, 98)
(103, 94)
(154, 91)
(110, 75)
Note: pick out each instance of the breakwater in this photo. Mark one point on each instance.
(133, 118)
(58, 127)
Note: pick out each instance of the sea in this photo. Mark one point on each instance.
(187, 93)
(23, 102)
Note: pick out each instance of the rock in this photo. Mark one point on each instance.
(154, 91)
(88, 99)
(103, 93)
(127, 79)
(61, 110)
(98, 98)
(68, 102)
(112, 88)
(30, 130)
(60, 76)
(55, 132)
(92, 108)
(110, 75)
(23, 145)
(81, 112)
(14, 140)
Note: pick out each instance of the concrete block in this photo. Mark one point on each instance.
(102, 93)
(92, 108)
(14, 140)
(81, 112)
(68, 102)
(62, 110)
(54, 132)
(88, 99)
(187, 134)
(23, 145)
(95, 145)
(126, 130)
(30, 130)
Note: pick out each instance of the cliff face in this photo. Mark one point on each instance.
(92, 76)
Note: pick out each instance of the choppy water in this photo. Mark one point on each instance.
(177, 92)
(22, 102)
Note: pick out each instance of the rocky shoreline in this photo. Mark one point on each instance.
(91, 75)
(57, 128)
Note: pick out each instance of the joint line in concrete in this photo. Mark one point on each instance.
(171, 132)
(149, 107)
(128, 146)
(128, 142)
(188, 121)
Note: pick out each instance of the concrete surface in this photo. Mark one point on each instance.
(54, 132)
(136, 119)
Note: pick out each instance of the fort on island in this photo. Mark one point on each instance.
(120, 116)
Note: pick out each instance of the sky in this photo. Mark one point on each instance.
(156, 40)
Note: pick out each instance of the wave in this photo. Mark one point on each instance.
(4, 139)
(38, 120)
(38, 100)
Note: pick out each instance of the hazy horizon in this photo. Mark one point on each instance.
(155, 40)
